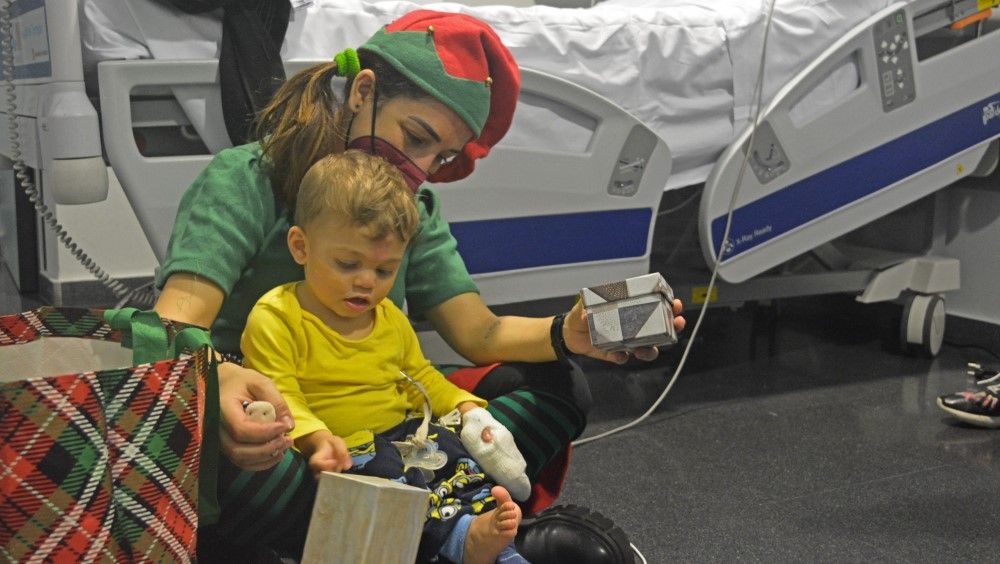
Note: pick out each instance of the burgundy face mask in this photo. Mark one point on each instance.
(413, 174)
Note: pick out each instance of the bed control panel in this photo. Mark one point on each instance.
(768, 159)
(894, 60)
(631, 162)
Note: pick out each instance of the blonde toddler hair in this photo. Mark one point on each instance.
(363, 189)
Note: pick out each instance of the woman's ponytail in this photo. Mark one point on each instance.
(302, 124)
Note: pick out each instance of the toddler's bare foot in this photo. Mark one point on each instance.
(491, 532)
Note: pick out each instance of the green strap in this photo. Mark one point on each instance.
(149, 338)
(121, 320)
(190, 339)
(143, 331)
(211, 449)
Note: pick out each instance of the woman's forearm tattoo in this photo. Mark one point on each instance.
(491, 330)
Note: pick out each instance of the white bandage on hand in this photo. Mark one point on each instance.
(499, 458)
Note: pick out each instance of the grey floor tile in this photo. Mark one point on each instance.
(827, 447)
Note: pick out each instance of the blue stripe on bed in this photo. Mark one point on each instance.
(851, 180)
(496, 245)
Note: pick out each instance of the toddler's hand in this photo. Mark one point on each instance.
(329, 453)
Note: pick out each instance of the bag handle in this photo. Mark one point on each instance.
(191, 339)
(144, 333)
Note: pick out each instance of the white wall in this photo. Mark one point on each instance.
(107, 231)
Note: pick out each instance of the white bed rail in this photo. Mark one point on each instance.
(531, 223)
(909, 128)
(153, 185)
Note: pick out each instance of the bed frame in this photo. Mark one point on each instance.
(886, 144)
(568, 220)
(925, 113)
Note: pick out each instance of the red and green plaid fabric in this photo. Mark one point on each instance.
(99, 466)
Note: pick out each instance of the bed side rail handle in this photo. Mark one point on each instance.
(858, 158)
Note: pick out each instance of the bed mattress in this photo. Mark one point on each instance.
(685, 68)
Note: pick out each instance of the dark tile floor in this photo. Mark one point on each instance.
(793, 434)
(803, 439)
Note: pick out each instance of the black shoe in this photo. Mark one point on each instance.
(980, 408)
(570, 533)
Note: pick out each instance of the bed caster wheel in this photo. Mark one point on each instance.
(922, 325)
(570, 533)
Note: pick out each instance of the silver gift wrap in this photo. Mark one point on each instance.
(633, 313)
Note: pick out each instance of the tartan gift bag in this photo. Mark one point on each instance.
(107, 430)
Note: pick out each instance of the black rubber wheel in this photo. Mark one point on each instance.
(571, 533)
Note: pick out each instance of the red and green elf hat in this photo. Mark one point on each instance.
(461, 62)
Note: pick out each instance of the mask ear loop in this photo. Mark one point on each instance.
(374, 107)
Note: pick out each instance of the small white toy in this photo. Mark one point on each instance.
(260, 411)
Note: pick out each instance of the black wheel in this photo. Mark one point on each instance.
(571, 533)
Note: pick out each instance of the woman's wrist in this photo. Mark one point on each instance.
(226, 367)
(229, 357)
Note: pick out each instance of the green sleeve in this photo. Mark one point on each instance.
(435, 271)
(222, 220)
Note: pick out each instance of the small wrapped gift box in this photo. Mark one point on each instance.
(636, 312)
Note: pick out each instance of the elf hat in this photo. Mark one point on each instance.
(461, 62)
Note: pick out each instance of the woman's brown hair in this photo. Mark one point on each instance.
(304, 122)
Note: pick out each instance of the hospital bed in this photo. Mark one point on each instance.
(865, 108)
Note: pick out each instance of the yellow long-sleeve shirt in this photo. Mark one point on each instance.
(340, 384)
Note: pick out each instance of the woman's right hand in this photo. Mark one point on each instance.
(576, 332)
(249, 444)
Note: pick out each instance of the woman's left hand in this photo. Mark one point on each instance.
(576, 332)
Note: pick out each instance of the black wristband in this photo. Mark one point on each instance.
(230, 357)
(557, 339)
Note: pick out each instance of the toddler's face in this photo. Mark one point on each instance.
(346, 270)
